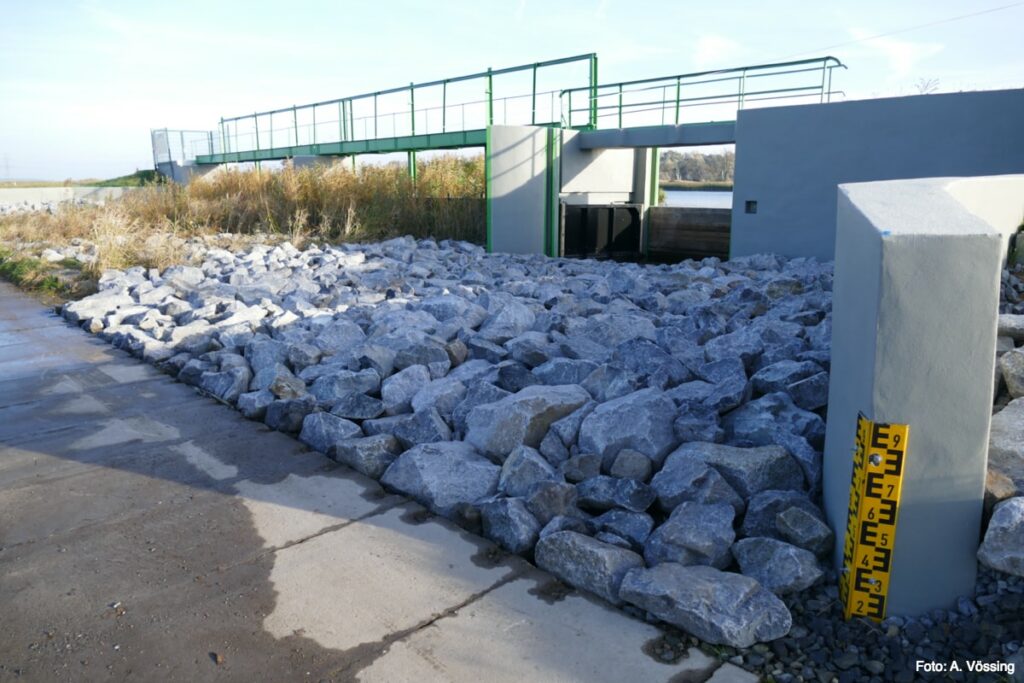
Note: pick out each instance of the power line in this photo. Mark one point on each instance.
(905, 30)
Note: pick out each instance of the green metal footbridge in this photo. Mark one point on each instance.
(452, 113)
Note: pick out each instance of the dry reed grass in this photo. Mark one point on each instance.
(320, 203)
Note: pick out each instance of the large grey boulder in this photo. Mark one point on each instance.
(686, 479)
(779, 375)
(641, 421)
(478, 393)
(441, 394)
(263, 352)
(1003, 546)
(398, 390)
(288, 414)
(425, 426)
(522, 470)
(1012, 326)
(532, 348)
(747, 470)
(253, 404)
(1006, 449)
(729, 379)
(763, 509)
(328, 389)
(357, 406)
(227, 385)
(810, 393)
(568, 428)
(756, 423)
(744, 344)
(718, 607)
(695, 533)
(96, 306)
(608, 330)
(635, 527)
(699, 423)
(608, 382)
(586, 563)
(564, 371)
(370, 455)
(444, 476)
(508, 522)
(522, 418)
(550, 499)
(1011, 364)
(339, 336)
(322, 431)
(511, 320)
(778, 566)
(804, 530)
(653, 364)
(604, 493)
(630, 464)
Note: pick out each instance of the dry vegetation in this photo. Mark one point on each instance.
(154, 225)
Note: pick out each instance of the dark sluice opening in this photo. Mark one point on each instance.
(602, 231)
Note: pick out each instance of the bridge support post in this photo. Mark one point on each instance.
(412, 165)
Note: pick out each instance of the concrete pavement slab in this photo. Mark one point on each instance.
(521, 631)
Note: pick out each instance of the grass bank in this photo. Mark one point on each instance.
(697, 185)
(156, 225)
(52, 281)
(137, 179)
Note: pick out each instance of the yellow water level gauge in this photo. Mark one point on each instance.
(878, 464)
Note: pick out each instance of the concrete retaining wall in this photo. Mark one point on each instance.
(790, 159)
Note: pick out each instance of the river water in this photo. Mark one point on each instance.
(698, 198)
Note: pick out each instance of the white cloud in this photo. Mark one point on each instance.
(714, 51)
(902, 56)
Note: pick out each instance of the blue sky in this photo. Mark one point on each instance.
(82, 83)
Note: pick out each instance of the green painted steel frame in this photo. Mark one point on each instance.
(825, 64)
(406, 143)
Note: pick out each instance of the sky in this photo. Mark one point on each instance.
(82, 83)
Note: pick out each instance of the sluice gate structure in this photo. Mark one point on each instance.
(571, 163)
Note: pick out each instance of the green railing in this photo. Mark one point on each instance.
(671, 99)
(451, 105)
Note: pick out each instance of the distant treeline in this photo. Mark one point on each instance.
(695, 166)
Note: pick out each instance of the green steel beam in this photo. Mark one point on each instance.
(406, 143)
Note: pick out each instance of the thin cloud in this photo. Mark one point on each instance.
(714, 51)
(902, 56)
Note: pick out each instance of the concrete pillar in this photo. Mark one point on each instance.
(517, 191)
(915, 308)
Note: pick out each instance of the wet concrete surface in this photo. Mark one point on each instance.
(150, 533)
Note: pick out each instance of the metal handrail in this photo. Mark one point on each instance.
(228, 128)
(824, 65)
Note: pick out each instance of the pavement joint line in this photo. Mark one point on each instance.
(367, 653)
(383, 508)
